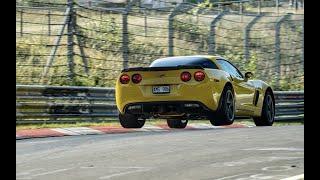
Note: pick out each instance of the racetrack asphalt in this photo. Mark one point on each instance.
(233, 153)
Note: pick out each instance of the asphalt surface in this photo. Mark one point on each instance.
(239, 153)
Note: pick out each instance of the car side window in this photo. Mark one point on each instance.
(205, 63)
(208, 64)
(228, 67)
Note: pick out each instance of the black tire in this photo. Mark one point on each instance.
(226, 109)
(268, 111)
(130, 121)
(177, 123)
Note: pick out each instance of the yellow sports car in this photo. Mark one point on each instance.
(192, 87)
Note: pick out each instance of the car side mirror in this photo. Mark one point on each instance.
(248, 75)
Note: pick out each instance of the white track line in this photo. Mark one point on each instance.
(123, 173)
(297, 177)
(275, 149)
(65, 131)
(77, 131)
(204, 126)
(230, 177)
(84, 130)
(153, 128)
(51, 172)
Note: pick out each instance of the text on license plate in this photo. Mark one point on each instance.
(160, 89)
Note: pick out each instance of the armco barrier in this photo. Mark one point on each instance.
(289, 105)
(39, 104)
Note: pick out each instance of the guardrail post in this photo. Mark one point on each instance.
(145, 22)
(302, 45)
(197, 16)
(241, 11)
(125, 35)
(277, 49)
(296, 5)
(49, 22)
(277, 6)
(246, 36)
(170, 35)
(211, 38)
(70, 53)
(21, 23)
(125, 41)
(259, 7)
(176, 11)
(79, 38)
(220, 7)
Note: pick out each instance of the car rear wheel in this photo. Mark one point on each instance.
(268, 111)
(177, 123)
(130, 121)
(226, 109)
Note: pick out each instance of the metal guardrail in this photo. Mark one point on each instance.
(52, 104)
(36, 103)
(289, 105)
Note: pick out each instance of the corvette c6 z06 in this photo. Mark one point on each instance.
(192, 87)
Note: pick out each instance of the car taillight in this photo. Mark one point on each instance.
(124, 79)
(136, 78)
(199, 76)
(185, 76)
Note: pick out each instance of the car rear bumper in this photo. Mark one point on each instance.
(204, 93)
(168, 109)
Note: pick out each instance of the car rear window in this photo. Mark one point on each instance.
(184, 61)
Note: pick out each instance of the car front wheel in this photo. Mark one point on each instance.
(268, 111)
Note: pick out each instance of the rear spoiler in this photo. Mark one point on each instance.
(161, 68)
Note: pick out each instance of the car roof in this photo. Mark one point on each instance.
(211, 57)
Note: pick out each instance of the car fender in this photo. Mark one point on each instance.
(262, 87)
(219, 79)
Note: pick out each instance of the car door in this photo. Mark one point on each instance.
(244, 89)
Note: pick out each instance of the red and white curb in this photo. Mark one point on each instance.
(76, 131)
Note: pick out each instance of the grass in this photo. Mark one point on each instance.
(114, 122)
(277, 123)
(64, 125)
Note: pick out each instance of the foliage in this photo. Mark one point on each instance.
(187, 31)
(103, 35)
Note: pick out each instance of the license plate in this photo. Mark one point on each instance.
(160, 89)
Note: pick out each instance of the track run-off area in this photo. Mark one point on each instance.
(275, 152)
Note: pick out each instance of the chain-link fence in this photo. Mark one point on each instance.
(75, 43)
